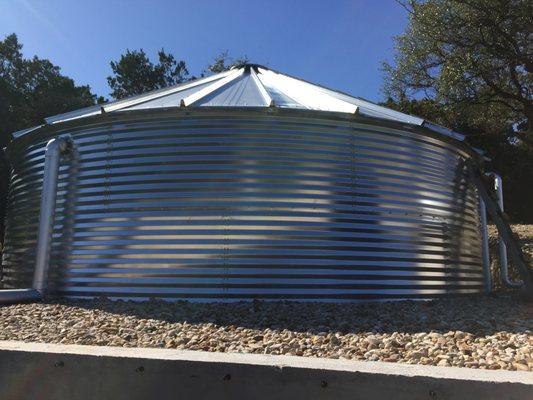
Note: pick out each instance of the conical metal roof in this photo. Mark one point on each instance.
(251, 85)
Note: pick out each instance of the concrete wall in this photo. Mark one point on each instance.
(44, 371)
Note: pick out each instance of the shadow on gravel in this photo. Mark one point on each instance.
(479, 315)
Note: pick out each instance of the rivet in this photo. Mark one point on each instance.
(140, 369)
(323, 384)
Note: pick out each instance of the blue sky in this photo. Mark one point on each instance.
(339, 44)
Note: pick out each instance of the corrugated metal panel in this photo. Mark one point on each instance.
(246, 204)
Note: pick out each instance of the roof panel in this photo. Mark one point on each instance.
(252, 86)
(306, 94)
(169, 100)
(241, 92)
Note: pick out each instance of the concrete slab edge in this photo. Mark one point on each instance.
(47, 371)
(278, 361)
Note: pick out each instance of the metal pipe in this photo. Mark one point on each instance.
(10, 296)
(504, 229)
(54, 148)
(504, 265)
(487, 277)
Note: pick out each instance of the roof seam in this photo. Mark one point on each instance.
(191, 99)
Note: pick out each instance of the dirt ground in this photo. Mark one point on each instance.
(525, 235)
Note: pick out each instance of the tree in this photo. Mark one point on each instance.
(467, 64)
(473, 58)
(31, 89)
(224, 62)
(134, 73)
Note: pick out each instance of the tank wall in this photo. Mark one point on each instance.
(248, 206)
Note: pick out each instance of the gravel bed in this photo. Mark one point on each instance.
(475, 332)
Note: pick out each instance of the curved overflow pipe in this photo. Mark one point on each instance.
(54, 149)
(504, 263)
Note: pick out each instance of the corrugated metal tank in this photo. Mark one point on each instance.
(248, 203)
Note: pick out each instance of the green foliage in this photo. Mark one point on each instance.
(472, 57)
(224, 62)
(31, 89)
(468, 64)
(134, 73)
